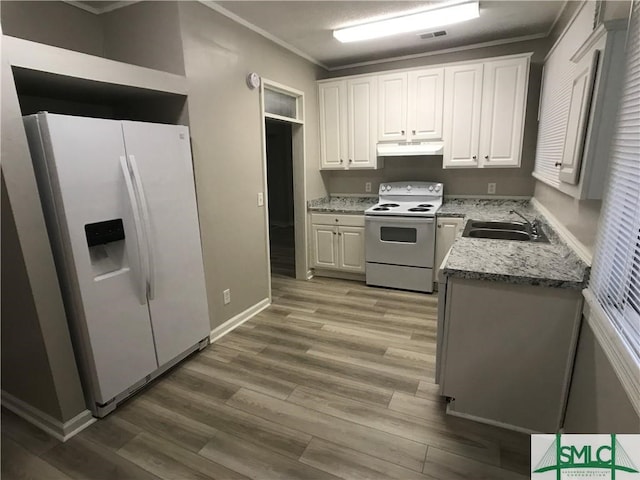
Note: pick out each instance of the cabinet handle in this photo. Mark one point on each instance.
(439, 226)
(486, 157)
(402, 132)
(413, 132)
(475, 157)
(350, 160)
(557, 164)
(340, 160)
(336, 219)
(334, 233)
(339, 233)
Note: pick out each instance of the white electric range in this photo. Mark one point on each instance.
(400, 235)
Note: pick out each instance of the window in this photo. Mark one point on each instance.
(616, 272)
(281, 104)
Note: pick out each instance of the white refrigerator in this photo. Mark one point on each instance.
(120, 207)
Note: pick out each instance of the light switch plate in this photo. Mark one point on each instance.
(491, 188)
(260, 199)
(367, 187)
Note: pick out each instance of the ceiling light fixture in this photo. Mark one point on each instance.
(435, 17)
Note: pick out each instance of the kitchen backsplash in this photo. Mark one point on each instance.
(509, 181)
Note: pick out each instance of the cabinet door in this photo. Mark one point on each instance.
(462, 102)
(446, 233)
(425, 104)
(503, 110)
(392, 111)
(324, 246)
(351, 248)
(581, 93)
(333, 124)
(362, 120)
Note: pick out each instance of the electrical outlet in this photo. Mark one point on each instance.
(260, 199)
(491, 188)
(227, 296)
(367, 187)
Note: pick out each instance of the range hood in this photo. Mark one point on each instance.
(403, 149)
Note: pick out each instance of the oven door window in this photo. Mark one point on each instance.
(399, 234)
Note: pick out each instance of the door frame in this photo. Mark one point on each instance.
(298, 145)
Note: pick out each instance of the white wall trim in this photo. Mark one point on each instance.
(234, 322)
(622, 362)
(576, 245)
(223, 11)
(44, 421)
(473, 46)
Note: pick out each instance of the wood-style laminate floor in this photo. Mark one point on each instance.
(334, 380)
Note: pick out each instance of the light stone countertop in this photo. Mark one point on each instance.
(552, 264)
(341, 204)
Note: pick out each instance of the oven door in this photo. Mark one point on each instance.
(400, 240)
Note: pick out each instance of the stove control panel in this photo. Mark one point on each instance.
(413, 188)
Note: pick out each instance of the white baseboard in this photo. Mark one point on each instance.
(44, 421)
(238, 320)
(576, 245)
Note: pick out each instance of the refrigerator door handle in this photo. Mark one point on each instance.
(147, 226)
(138, 227)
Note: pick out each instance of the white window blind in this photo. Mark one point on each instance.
(555, 97)
(616, 272)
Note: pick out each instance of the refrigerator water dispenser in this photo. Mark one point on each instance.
(106, 248)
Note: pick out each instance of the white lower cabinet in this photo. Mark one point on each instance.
(338, 242)
(446, 234)
(507, 352)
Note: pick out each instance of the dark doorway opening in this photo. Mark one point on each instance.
(280, 188)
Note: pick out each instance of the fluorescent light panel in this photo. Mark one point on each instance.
(409, 23)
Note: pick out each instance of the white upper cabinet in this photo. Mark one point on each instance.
(425, 104)
(462, 103)
(581, 92)
(362, 114)
(348, 116)
(410, 105)
(392, 119)
(503, 111)
(333, 124)
(484, 113)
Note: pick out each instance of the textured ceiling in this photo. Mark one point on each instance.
(308, 25)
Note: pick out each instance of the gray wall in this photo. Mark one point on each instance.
(32, 311)
(25, 366)
(509, 181)
(53, 23)
(597, 402)
(579, 216)
(145, 34)
(227, 148)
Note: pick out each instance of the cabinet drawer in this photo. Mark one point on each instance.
(338, 219)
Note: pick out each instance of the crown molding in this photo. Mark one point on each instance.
(232, 16)
(98, 11)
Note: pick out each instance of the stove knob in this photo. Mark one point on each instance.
(431, 188)
(438, 187)
(388, 188)
(408, 188)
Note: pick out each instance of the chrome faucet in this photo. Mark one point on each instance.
(533, 226)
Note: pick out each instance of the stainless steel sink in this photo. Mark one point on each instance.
(518, 226)
(503, 231)
(499, 234)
